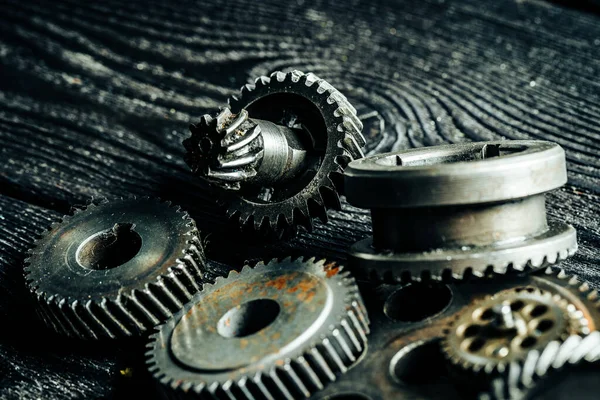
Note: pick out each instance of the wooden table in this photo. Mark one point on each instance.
(96, 99)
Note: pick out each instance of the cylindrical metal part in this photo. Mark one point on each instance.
(283, 157)
(458, 210)
(456, 174)
(422, 229)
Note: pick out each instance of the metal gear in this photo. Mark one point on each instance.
(115, 268)
(505, 327)
(545, 369)
(405, 358)
(458, 211)
(278, 152)
(274, 331)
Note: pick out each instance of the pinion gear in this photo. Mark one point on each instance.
(115, 268)
(264, 332)
(278, 152)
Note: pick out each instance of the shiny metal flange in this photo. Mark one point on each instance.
(458, 211)
(277, 331)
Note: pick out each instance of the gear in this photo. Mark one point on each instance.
(545, 369)
(278, 152)
(503, 328)
(458, 211)
(280, 330)
(115, 268)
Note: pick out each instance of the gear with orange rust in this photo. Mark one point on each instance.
(281, 330)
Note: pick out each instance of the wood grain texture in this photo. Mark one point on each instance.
(96, 98)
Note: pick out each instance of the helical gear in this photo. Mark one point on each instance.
(115, 268)
(281, 330)
(540, 367)
(278, 151)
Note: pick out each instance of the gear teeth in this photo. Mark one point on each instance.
(574, 321)
(327, 356)
(345, 148)
(126, 314)
(446, 275)
(540, 366)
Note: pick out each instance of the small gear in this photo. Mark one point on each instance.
(545, 369)
(277, 331)
(458, 211)
(503, 328)
(115, 268)
(278, 151)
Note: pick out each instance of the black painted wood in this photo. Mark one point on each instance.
(96, 98)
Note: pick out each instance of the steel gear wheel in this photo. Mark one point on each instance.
(540, 368)
(115, 268)
(458, 211)
(274, 331)
(503, 328)
(278, 152)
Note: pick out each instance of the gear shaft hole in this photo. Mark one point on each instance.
(109, 248)
(248, 318)
(418, 363)
(417, 301)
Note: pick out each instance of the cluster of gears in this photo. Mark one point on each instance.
(457, 277)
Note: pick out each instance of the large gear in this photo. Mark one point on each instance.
(545, 369)
(281, 330)
(115, 268)
(503, 328)
(277, 153)
(458, 211)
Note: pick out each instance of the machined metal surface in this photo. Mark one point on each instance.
(276, 154)
(115, 268)
(457, 211)
(277, 331)
(405, 358)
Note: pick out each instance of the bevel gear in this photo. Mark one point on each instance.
(459, 211)
(276, 154)
(545, 369)
(503, 328)
(115, 268)
(281, 330)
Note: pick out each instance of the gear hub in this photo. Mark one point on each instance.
(116, 268)
(277, 331)
(276, 154)
(456, 211)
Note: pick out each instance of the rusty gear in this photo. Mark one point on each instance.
(275, 331)
(276, 155)
(115, 268)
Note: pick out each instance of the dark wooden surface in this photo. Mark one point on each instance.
(96, 98)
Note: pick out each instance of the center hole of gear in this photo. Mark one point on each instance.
(417, 301)
(109, 248)
(418, 363)
(248, 318)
